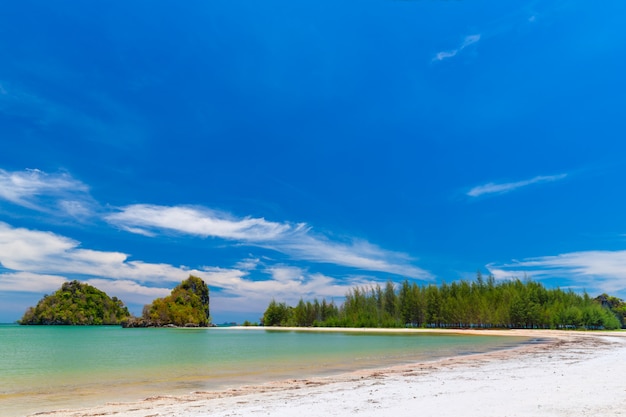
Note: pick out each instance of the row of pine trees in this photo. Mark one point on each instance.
(463, 304)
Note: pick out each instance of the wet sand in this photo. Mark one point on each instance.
(567, 374)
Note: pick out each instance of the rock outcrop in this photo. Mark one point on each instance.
(186, 306)
(76, 303)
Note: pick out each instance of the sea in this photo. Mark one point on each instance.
(45, 368)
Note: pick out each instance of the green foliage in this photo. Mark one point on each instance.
(76, 304)
(616, 305)
(187, 305)
(479, 304)
(305, 314)
(276, 315)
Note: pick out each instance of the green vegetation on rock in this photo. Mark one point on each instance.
(187, 305)
(76, 304)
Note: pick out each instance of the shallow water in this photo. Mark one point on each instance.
(52, 367)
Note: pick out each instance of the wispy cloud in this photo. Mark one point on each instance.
(39, 262)
(62, 195)
(240, 293)
(351, 253)
(49, 193)
(129, 291)
(145, 218)
(34, 261)
(296, 240)
(598, 271)
(467, 41)
(495, 188)
(30, 282)
(50, 256)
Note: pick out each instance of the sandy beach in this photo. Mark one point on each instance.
(567, 374)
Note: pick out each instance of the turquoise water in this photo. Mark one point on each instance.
(51, 367)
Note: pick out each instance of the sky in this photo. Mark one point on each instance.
(285, 150)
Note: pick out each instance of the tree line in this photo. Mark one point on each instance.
(483, 303)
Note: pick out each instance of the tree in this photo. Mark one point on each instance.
(390, 300)
(76, 303)
(276, 314)
(187, 305)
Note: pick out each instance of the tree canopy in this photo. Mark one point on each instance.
(463, 304)
(76, 303)
(187, 305)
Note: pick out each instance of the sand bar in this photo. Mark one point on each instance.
(569, 374)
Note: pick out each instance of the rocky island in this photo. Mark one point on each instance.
(77, 303)
(186, 306)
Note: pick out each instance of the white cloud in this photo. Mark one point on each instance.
(126, 290)
(76, 209)
(467, 41)
(295, 240)
(286, 273)
(30, 282)
(248, 264)
(60, 193)
(598, 271)
(48, 193)
(129, 291)
(197, 221)
(32, 251)
(239, 293)
(493, 188)
(356, 253)
(39, 262)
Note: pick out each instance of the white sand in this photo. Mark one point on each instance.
(575, 374)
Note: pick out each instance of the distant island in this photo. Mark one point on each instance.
(483, 303)
(186, 306)
(76, 303)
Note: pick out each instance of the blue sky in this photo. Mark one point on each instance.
(284, 149)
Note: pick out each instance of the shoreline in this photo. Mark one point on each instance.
(567, 373)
